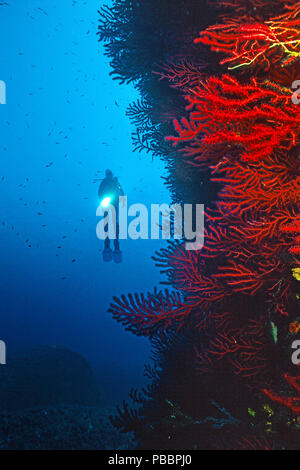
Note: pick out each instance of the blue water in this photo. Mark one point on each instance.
(64, 123)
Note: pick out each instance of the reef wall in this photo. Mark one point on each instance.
(218, 105)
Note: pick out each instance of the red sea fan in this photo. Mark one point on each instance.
(181, 75)
(256, 188)
(251, 267)
(264, 230)
(152, 314)
(285, 76)
(292, 13)
(244, 349)
(253, 443)
(291, 402)
(293, 229)
(248, 442)
(256, 118)
(256, 43)
(253, 8)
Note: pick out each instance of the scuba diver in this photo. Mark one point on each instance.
(109, 192)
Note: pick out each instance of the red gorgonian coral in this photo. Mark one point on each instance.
(244, 44)
(256, 119)
(245, 131)
(291, 402)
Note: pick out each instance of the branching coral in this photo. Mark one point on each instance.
(293, 228)
(152, 313)
(256, 43)
(257, 118)
(180, 75)
(258, 9)
(255, 188)
(237, 294)
(244, 348)
(291, 402)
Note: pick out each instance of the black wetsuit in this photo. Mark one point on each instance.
(111, 187)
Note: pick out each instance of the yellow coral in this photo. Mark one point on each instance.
(296, 273)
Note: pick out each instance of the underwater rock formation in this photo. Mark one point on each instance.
(46, 376)
(49, 399)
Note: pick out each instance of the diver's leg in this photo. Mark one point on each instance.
(116, 240)
(107, 243)
(117, 254)
(107, 252)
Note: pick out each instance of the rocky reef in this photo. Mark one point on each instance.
(50, 399)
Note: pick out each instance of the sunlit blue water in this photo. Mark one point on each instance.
(64, 123)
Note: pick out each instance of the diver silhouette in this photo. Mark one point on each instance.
(109, 192)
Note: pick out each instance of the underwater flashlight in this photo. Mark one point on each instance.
(106, 201)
